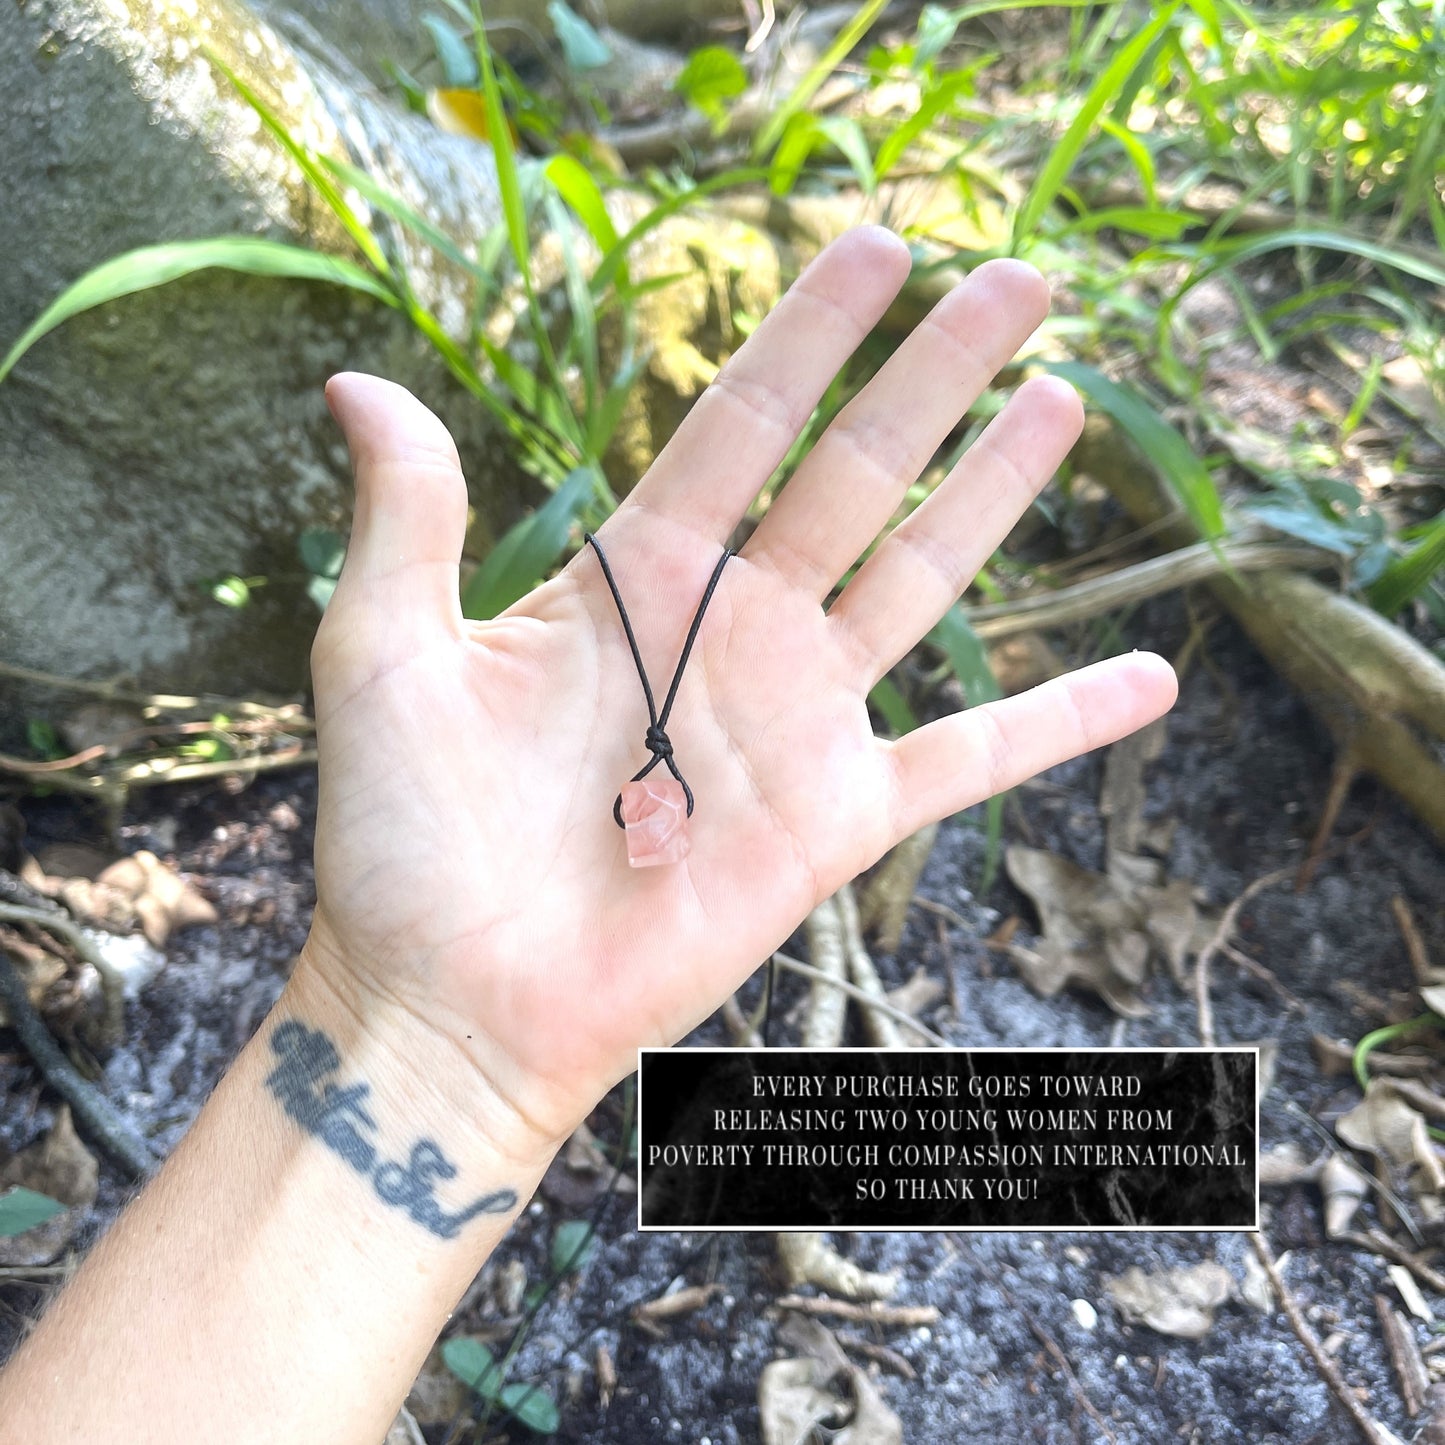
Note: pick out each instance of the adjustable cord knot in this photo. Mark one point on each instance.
(658, 743)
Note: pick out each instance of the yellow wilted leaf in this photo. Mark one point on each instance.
(458, 112)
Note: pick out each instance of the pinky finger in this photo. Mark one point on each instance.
(960, 760)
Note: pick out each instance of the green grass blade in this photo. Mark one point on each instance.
(1408, 576)
(615, 260)
(504, 151)
(1103, 92)
(398, 210)
(574, 183)
(886, 698)
(1187, 476)
(522, 557)
(968, 658)
(311, 168)
(1411, 262)
(152, 266)
(817, 73)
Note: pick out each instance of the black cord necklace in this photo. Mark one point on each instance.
(658, 742)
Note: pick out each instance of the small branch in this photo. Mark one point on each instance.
(1220, 937)
(1329, 1372)
(804, 970)
(112, 984)
(880, 1027)
(91, 1108)
(889, 893)
(1414, 944)
(1130, 585)
(827, 1007)
(872, 1313)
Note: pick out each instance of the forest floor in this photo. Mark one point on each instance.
(1241, 780)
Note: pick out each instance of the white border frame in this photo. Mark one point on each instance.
(958, 1228)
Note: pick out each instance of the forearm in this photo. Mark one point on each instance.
(287, 1271)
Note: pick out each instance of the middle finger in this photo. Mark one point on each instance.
(852, 481)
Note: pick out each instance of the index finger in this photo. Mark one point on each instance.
(741, 427)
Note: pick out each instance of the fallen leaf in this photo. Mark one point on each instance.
(1178, 1302)
(873, 1422)
(1384, 1125)
(59, 1165)
(1344, 1188)
(792, 1400)
(808, 1258)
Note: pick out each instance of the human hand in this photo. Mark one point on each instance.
(471, 880)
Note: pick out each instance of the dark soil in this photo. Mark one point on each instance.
(1243, 775)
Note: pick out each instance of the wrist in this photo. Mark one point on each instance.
(417, 1083)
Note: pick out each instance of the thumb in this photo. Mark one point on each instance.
(411, 508)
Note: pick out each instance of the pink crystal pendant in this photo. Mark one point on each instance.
(654, 812)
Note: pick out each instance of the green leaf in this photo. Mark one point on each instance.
(936, 29)
(231, 592)
(582, 47)
(322, 551)
(472, 1363)
(1406, 577)
(504, 152)
(156, 265)
(22, 1209)
(807, 133)
(1307, 523)
(43, 739)
(821, 69)
(573, 1244)
(311, 168)
(321, 590)
(533, 1406)
(459, 65)
(967, 656)
(712, 77)
(575, 184)
(1103, 92)
(523, 556)
(886, 697)
(1186, 475)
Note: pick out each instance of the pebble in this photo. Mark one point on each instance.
(1085, 1313)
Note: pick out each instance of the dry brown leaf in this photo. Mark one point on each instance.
(437, 1397)
(1178, 1302)
(873, 1423)
(1384, 1125)
(809, 1259)
(59, 1165)
(793, 1399)
(1344, 1188)
(1097, 929)
(1286, 1164)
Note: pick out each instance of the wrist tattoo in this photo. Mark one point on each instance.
(337, 1115)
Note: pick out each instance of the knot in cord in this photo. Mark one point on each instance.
(658, 742)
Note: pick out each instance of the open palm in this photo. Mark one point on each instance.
(469, 869)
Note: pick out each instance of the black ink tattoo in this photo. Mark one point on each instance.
(336, 1115)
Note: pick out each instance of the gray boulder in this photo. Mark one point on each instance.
(181, 434)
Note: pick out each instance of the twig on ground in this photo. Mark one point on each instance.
(872, 1313)
(1062, 1361)
(827, 1006)
(112, 984)
(1220, 937)
(804, 970)
(92, 1110)
(1381, 1244)
(883, 909)
(881, 1029)
(871, 1350)
(1369, 1427)
(1410, 1368)
(1255, 969)
(1414, 944)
